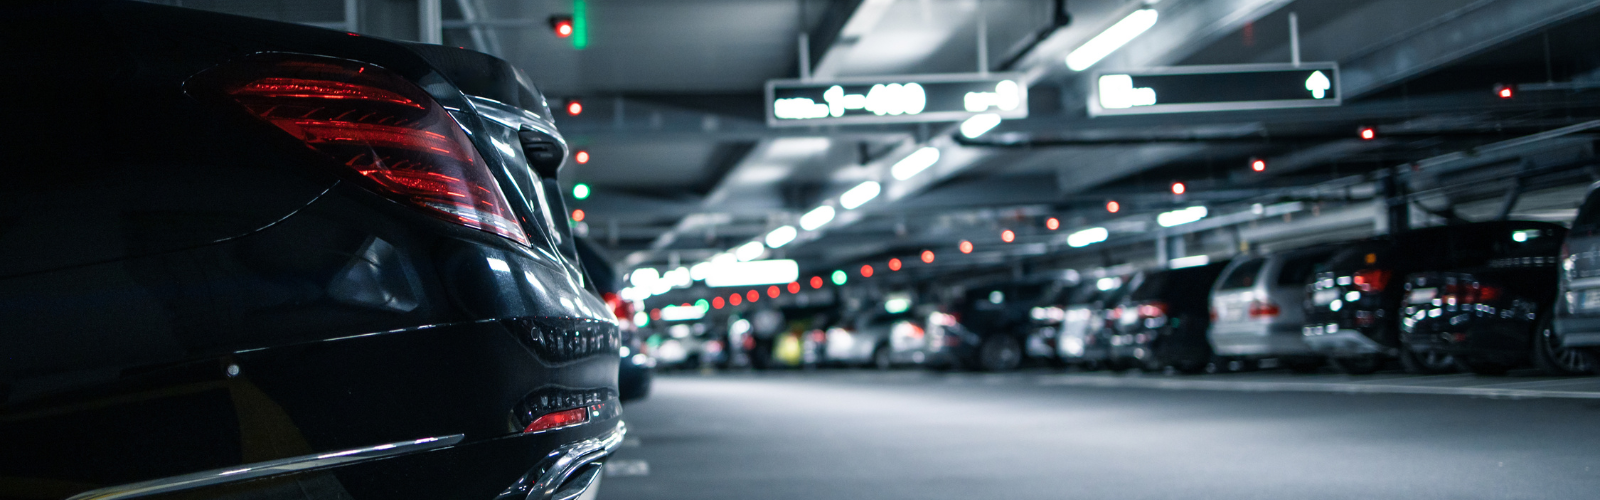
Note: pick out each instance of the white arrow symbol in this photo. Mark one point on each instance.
(1318, 84)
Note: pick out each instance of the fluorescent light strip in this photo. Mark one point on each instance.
(1111, 39)
(915, 163)
(816, 218)
(1190, 261)
(1181, 217)
(1087, 237)
(749, 251)
(781, 236)
(859, 195)
(760, 272)
(979, 124)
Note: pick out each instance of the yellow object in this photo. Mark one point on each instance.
(787, 350)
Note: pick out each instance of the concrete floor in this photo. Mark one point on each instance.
(915, 435)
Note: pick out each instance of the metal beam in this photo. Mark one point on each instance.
(1465, 32)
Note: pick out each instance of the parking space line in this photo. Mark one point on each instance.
(1351, 388)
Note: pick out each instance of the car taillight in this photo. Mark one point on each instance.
(621, 308)
(1371, 280)
(1152, 310)
(1263, 309)
(378, 125)
(1465, 293)
(818, 336)
(558, 420)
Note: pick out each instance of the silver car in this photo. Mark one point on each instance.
(1256, 308)
(875, 338)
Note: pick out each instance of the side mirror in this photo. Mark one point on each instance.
(545, 154)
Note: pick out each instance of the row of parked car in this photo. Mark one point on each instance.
(1485, 297)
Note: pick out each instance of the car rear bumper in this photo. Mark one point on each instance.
(1265, 340)
(1475, 336)
(1578, 331)
(1329, 339)
(460, 394)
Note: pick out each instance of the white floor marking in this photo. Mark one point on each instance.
(627, 468)
(1263, 386)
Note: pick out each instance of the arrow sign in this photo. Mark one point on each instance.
(1188, 89)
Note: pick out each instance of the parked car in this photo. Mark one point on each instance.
(1486, 313)
(876, 338)
(1571, 340)
(995, 319)
(1083, 339)
(1256, 310)
(634, 375)
(1163, 319)
(251, 259)
(1356, 300)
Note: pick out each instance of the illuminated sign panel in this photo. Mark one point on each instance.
(1186, 89)
(924, 98)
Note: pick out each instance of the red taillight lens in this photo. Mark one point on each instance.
(1371, 280)
(378, 125)
(1152, 310)
(557, 420)
(1474, 293)
(1263, 309)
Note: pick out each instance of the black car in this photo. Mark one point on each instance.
(1485, 316)
(1163, 319)
(635, 374)
(1355, 301)
(249, 259)
(986, 326)
(1571, 340)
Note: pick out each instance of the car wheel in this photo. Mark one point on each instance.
(999, 353)
(1552, 359)
(1364, 364)
(880, 358)
(1305, 365)
(1426, 362)
(1483, 367)
(1192, 367)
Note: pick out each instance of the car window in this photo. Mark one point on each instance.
(1589, 214)
(1244, 276)
(1151, 288)
(1298, 270)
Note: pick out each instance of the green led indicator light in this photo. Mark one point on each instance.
(839, 277)
(703, 304)
(580, 24)
(580, 191)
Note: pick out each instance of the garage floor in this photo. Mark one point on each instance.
(915, 435)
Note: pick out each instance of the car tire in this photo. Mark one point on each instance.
(1427, 362)
(1483, 367)
(1192, 367)
(1305, 364)
(1365, 364)
(1552, 359)
(880, 358)
(999, 353)
(1114, 365)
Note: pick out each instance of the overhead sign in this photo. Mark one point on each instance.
(924, 98)
(1187, 89)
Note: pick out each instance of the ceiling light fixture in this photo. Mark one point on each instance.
(816, 218)
(1111, 39)
(781, 236)
(979, 124)
(915, 163)
(859, 195)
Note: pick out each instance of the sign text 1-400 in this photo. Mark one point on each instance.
(906, 99)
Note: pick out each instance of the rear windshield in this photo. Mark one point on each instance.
(1298, 269)
(1244, 276)
(1589, 215)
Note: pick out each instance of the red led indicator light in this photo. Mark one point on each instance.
(927, 255)
(816, 282)
(581, 156)
(894, 264)
(1008, 236)
(866, 270)
(1113, 207)
(1179, 188)
(966, 246)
